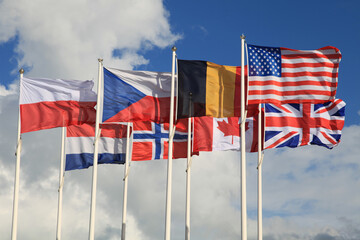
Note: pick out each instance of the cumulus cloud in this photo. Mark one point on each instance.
(64, 39)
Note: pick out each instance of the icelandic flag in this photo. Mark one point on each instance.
(136, 96)
(150, 140)
(294, 125)
(49, 103)
(80, 145)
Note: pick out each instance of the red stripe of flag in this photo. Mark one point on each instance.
(113, 130)
(328, 138)
(292, 93)
(323, 48)
(337, 101)
(292, 84)
(290, 134)
(294, 122)
(237, 96)
(312, 65)
(88, 130)
(45, 115)
(277, 102)
(311, 55)
(310, 74)
(85, 130)
(203, 134)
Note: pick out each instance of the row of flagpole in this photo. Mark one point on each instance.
(169, 167)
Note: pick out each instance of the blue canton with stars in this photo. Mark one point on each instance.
(264, 61)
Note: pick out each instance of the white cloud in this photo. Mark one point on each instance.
(64, 39)
(12, 89)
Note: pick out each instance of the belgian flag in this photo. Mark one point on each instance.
(208, 89)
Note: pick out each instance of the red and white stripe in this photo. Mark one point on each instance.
(80, 139)
(306, 76)
(49, 103)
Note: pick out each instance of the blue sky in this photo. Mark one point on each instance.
(309, 192)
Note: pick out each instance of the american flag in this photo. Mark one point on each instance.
(283, 75)
(294, 125)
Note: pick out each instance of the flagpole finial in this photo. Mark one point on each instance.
(242, 36)
(100, 59)
(173, 48)
(21, 71)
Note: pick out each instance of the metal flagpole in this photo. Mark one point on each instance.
(243, 152)
(126, 173)
(188, 171)
(171, 135)
(61, 184)
(17, 169)
(96, 148)
(260, 158)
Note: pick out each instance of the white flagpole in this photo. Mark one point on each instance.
(96, 149)
(188, 171)
(61, 184)
(126, 173)
(17, 170)
(243, 152)
(171, 135)
(260, 158)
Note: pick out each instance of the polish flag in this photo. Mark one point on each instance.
(49, 103)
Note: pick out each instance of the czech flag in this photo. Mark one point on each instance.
(136, 96)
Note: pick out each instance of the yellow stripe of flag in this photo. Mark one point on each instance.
(220, 90)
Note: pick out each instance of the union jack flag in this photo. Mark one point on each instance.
(294, 125)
